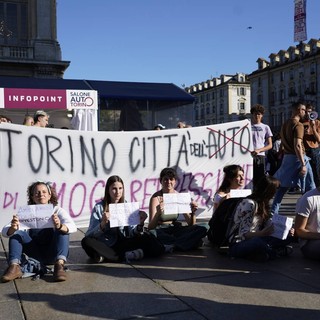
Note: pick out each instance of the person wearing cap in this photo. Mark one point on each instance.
(41, 119)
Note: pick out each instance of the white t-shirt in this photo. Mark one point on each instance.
(309, 206)
(260, 134)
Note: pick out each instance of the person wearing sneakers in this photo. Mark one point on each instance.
(103, 242)
(49, 245)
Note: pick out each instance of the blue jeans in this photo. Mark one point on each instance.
(306, 184)
(255, 245)
(45, 245)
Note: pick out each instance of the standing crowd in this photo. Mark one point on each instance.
(250, 233)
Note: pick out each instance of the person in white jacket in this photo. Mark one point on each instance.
(48, 245)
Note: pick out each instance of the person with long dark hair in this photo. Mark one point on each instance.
(251, 233)
(49, 245)
(105, 243)
(233, 179)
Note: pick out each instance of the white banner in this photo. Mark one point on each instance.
(300, 27)
(79, 163)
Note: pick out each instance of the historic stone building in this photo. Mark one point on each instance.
(288, 76)
(28, 39)
(222, 99)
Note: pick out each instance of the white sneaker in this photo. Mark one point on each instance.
(134, 255)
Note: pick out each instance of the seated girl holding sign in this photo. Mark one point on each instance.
(121, 242)
(253, 234)
(48, 244)
(168, 230)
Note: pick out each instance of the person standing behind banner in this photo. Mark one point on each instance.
(166, 227)
(127, 243)
(233, 179)
(46, 245)
(311, 141)
(41, 119)
(262, 142)
(28, 121)
(295, 164)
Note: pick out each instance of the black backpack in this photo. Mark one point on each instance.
(221, 222)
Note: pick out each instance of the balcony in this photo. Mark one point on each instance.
(16, 52)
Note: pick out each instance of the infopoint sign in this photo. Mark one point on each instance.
(16, 98)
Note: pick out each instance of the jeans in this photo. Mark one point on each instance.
(306, 184)
(255, 245)
(183, 238)
(45, 245)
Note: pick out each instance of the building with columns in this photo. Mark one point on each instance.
(28, 40)
(222, 99)
(287, 76)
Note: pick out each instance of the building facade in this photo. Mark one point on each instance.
(222, 99)
(28, 39)
(288, 76)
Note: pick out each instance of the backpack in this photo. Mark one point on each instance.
(221, 222)
(31, 267)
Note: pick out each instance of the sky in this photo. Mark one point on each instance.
(174, 41)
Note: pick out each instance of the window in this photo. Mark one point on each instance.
(221, 109)
(291, 74)
(221, 93)
(242, 91)
(242, 107)
(313, 68)
(13, 23)
(281, 75)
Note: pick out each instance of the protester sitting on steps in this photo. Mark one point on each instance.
(233, 179)
(103, 242)
(251, 233)
(46, 245)
(307, 224)
(166, 227)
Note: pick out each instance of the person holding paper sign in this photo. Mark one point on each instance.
(49, 245)
(233, 179)
(307, 224)
(166, 227)
(130, 242)
(251, 235)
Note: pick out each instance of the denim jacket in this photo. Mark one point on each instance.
(109, 235)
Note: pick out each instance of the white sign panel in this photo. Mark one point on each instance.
(80, 162)
(282, 226)
(176, 203)
(35, 216)
(82, 99)
(124, 214)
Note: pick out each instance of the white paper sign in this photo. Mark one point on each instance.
(176, 203)
(282, 226)
(236, 193)
(37, 216)
(124, 214)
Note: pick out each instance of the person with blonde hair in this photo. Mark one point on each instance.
(41, 119)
